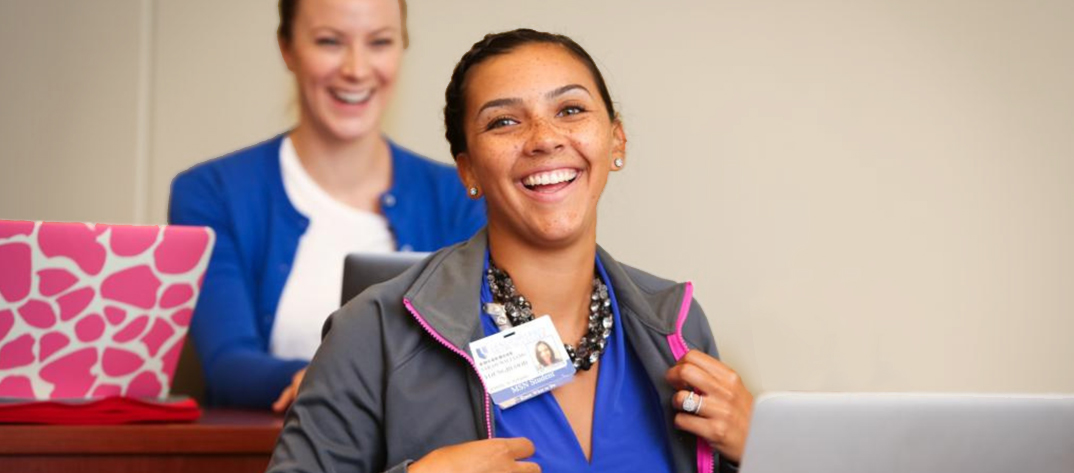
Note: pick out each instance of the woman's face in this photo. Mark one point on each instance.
(540, 143)
(544, 354)
(345, 55)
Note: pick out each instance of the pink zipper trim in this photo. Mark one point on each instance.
(435, 335)
(705, 459)
(676, 340)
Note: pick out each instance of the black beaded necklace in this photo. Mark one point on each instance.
(509, 308)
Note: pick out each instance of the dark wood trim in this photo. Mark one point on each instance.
(217, 432)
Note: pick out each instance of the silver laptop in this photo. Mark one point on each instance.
(361, 270)
(921, 433)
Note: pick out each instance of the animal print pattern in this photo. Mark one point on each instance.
(94, 310)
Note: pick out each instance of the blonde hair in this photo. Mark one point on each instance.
(289, 8)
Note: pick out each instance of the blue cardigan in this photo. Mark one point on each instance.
(241, 196)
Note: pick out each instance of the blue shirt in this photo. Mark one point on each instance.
(628, 426)
(241, 196)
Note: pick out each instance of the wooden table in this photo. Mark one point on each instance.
(222, 440)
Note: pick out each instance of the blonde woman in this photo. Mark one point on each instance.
(287, 210)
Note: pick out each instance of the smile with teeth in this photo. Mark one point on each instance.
(352, 98)
(549, 178)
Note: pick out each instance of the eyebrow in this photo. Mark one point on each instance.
(505, 102)
(385, 29)
(334, 30)
(498, 103)
(567, 88)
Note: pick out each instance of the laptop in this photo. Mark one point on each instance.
(91, 311)
(361, 270)
(921, 433)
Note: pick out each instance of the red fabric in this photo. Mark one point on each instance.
(109, 410)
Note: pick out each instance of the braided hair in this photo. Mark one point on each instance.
(496, 44)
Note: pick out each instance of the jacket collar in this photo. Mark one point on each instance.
(447, 294)
(655, 307)
(446, 297)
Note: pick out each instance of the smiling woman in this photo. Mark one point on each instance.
(540, 136)
(287, 211)
(345, 56)
(531, 124)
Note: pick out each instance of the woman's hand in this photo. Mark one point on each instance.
(480, 456)
(726, 406)
(289, 393)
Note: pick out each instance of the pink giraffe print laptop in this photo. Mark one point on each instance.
(90, 311)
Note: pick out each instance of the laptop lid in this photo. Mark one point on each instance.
(361, 270)
(94, 310)
(922, 433)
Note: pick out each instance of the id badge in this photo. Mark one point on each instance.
(522, 362)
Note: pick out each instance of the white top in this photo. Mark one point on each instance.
(313, 288)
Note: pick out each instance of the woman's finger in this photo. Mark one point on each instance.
(284, 400)
(691, 377)
(705, 406)
(296, 380)
(527, 467)
(712, 430)
(288, 395)
(719, 434)
(724, 425)
(715, 367)
(520, 447)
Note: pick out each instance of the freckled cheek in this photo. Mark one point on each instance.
(496, 149)
(581, 142)
(587, 137)
(589, 147)
(490, 163)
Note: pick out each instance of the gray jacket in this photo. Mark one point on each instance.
(393, 378)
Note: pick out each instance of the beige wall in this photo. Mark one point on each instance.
(868, 195)
(72, 96)
(219, 85)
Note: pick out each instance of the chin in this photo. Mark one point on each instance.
(350, 131)
(350, 128)
(558, 235)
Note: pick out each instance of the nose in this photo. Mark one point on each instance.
(356, 64)
(544, 138)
